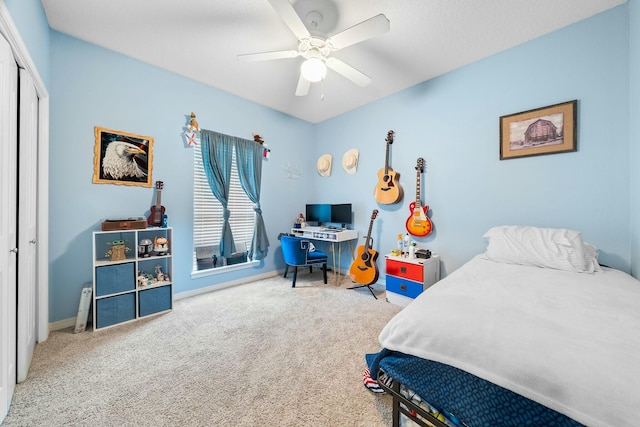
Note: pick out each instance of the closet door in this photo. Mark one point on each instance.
(27, 226)
(8, 221)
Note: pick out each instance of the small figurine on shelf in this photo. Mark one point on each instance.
(160, 276)
(118, 251)
(142, 280)
(145, 248)
(160, 245)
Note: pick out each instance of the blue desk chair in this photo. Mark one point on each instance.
(296, 254)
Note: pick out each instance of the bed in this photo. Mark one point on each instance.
(533, 332)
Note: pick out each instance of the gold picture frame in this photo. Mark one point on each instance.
(546, 130)
(122, 158)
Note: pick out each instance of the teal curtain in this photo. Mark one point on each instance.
(249, 162)
(217, 154)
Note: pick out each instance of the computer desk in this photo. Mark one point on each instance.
(332, 236)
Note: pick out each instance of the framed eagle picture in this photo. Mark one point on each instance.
(122, 158)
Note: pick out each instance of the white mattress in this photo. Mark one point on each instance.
(570, 341)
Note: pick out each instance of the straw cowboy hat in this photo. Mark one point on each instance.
(350, 161)
(324, 165)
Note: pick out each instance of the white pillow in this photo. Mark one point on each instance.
(590, 258)
(557, 248)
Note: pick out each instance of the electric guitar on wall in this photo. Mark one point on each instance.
(388, 189)
(157, 211)
(418, 223)
(364, 269)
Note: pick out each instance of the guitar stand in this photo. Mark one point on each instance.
(365, 286)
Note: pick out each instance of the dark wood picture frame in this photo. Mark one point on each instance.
(122, 158)
(546, 130)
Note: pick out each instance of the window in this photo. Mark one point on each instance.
(207, 214)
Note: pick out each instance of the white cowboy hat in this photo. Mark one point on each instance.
(350, 161)
(324, 165)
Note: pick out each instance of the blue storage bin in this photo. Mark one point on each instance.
(154, 300)
(112, 279)
(117, 309)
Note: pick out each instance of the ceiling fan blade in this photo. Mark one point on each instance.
(266, 56)
(372, 27)
(303, 86)
(288, 14)
(348, 71)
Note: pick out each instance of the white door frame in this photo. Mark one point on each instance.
(27, 214)
(10, 32)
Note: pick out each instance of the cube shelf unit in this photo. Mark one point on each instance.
(120, 292)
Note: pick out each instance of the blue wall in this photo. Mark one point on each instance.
(96, 87)
(452, 121)
(30, 19)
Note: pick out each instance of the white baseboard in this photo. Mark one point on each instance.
(71, 322)
(62, 324)
(212, 288)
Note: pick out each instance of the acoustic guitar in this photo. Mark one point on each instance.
(418, 223)
(364, 269)
(388, 189)
(156, 212)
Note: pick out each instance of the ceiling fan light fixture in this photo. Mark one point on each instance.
(313, 69)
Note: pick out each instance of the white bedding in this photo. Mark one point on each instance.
(567, 340)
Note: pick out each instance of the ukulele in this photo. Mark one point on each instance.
(388, 189)
(364, 269)
(157, 211)
(418, 223)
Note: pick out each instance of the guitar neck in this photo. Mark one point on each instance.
(418, 203)
(368, 240)
(158, 199)
(386, 161)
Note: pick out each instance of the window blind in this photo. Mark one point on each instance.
(207, 210)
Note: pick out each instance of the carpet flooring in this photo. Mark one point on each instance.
(258, 354)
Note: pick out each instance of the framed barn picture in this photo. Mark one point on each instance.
(546, 130)
(122, 158)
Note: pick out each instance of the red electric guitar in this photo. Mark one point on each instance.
(388, 189)
(418, 223)
(364, 269)
(157, 211)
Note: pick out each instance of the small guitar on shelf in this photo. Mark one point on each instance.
(156, 212)
(418, 223)
(388, 189)
(364, 269)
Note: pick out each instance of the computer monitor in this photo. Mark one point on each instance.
(341, 214)
(318, 213)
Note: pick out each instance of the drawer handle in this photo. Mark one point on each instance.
(403, 269)
(403, 287)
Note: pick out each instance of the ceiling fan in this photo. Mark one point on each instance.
(316, 48)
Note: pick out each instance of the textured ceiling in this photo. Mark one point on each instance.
(201, 39)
